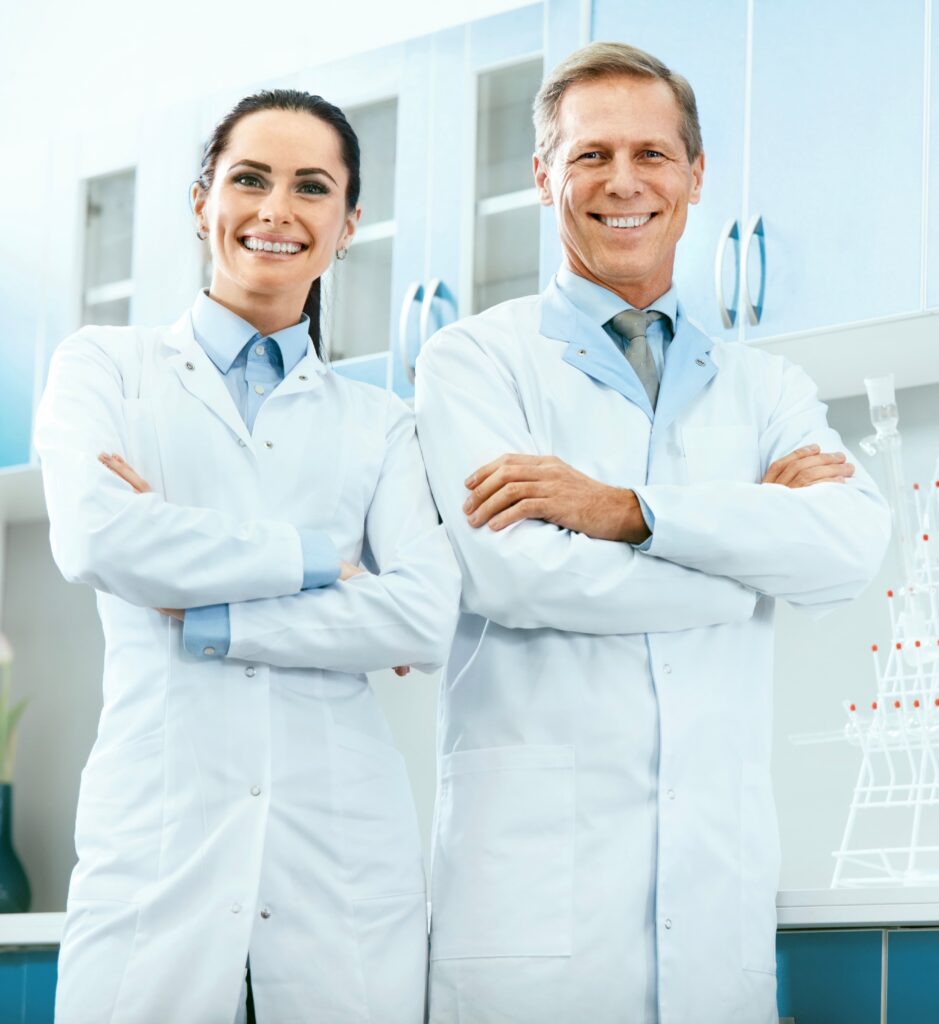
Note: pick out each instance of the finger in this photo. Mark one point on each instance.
(777, 467)
(530, 508)
(510, 494)
(402, 670)
(790, 472)
(507, 473)
(821, 474)
(474, 479)
(125, 471)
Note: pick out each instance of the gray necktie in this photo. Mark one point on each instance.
(631, 324)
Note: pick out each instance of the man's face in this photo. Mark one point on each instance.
(620, 182)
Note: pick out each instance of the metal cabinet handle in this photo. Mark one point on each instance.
(754, 230)
(415, 293)
(730, 231)
(430, 292)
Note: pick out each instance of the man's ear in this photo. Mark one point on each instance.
(697, 179)
(542, 182)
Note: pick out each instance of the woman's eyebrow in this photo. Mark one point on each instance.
(303, 172)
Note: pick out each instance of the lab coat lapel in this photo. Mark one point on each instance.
(306, 376)
(200, 378)
(592, 351)
(688, 370)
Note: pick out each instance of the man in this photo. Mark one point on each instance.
(627, 499)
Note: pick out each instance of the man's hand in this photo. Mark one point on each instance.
(807, 466)
(517, 487)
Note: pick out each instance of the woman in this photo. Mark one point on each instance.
(243, 795)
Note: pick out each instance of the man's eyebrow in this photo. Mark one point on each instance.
(303, 172)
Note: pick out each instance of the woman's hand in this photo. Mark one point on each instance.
(125, 471)
(346, 571)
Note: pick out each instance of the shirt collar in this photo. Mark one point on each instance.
(223, 334)
(600, 305)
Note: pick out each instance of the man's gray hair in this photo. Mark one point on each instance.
(609, 60)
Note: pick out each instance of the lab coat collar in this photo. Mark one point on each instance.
(199, 376)
(688, 368)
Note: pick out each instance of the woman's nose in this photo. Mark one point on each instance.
(276, 207)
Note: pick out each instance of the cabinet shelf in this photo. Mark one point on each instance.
(18, 930)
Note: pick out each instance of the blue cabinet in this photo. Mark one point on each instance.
(27, 986)
(913, 976)
(812, 118)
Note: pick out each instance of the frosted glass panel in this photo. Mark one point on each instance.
(376, 127)
(109, 229)
(360, 288)
(505, 137)
(115, 313)
(506, 263)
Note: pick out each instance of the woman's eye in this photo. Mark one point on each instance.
(252, 180)
(314, 188)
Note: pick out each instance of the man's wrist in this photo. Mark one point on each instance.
(635, 529)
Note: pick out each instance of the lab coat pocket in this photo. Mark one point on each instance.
(721, 453)
(381, 839)
(759, 870)
(504, 853)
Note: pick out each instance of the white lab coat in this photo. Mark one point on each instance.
(252, 803)
(605, 844)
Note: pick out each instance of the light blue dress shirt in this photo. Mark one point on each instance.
(600, 305)
(251, 366)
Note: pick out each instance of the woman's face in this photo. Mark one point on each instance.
(276, 211)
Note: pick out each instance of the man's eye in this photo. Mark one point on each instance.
(591, 154)
(653, 154)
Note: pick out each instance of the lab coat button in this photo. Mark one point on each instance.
(581, 351)
(667, 669)
(268, 444)
(668, 922)
(255, 790)
(671, 794)
(304, 377)
(236, 908)
(265, 913)
(242, 443)
(208, 651)
(189, 366)
(700, 362)
(249, 671)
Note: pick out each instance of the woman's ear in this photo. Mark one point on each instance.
(197, 198)
(348, 232)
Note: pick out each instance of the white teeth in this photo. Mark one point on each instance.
(256, 245)
(627, 222)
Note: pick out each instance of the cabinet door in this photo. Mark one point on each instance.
(383, 93)
(836, 161)
(673, 31)
(913, 976)
(484, 216)
(932, 206)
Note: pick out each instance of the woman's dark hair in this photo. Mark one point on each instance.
(291, 99)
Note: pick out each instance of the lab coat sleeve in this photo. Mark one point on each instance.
(137, 546)
(814, 546)
(535, 574)
(403, 614)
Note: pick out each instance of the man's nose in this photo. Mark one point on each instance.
(623, 179)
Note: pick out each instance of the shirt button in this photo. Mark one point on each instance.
(268, 444)
(265, 913)
(671, 794)
(259, 350)
(259, 389)
(668, 922)
(249, 671)
(255, 790)
(667, 669)
(208, 651)
(236, 908)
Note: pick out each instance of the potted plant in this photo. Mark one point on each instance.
(15, 896)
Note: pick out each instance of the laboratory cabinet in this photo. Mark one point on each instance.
(812, 209)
